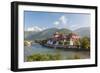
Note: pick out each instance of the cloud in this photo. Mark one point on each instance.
(62, 22)
(63, 19)
(35, 29)
(65, 22)
(56, 23)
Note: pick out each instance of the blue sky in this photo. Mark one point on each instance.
(44, 20)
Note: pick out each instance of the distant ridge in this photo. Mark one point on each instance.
(84, 31)
(45, 33)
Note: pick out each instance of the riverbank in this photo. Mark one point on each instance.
(64, 48)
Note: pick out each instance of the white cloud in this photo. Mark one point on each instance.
(43, 28)
(62, 22)
(56, 23)
(63, 19)
(35, 29)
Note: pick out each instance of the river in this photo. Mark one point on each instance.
(36, 48)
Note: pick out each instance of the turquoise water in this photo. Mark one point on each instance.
(36, 48)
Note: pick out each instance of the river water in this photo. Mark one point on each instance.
(36, 48)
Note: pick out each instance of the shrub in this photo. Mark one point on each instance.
(43, 57)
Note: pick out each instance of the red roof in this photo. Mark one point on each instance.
(59, 36)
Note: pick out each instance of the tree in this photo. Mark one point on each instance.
(61, 42)
(77, 43)
(43, 41)
(85, 42)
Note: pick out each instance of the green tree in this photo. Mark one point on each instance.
(44, 41)
(61, 42)
(85, 42)
(77, 43)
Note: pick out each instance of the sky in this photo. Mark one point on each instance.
(38, 21)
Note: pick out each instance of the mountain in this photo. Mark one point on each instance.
(46, 33)
(84, 31)
(28, 33)
(64, 31)
(31, 30)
